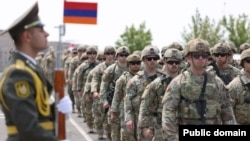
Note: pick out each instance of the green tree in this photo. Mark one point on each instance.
(135, 39)
(203, 28)
(238, 29)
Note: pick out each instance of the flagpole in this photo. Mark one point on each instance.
(59, 86)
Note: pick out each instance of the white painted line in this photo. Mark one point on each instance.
(82, 132)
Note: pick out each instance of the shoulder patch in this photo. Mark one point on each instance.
(22, 89)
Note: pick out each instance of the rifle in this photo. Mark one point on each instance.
(111, 90)
(225, 78)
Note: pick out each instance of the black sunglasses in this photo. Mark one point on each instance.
(101, 59)
(198, 55)
(123, 55)
(247, 60)
(135, 62)
(152, 58)
(220, 54)
(74, 52)
(173, 62)
(109, 53)
(91, 53)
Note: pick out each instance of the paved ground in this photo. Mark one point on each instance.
(75, 127)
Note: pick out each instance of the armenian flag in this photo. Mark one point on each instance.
(80, 12)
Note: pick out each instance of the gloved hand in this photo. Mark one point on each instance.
(65, 105)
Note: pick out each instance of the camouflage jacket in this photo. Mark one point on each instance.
(112, 73)
(134, 91)
(181, 95)
(239, 90)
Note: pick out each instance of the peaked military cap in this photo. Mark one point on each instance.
(29, 19)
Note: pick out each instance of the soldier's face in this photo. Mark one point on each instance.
(37, 37)
(198, 59)
(172, 65)
(246, 64)
(150, 61)
(122, 57)
(221, 58)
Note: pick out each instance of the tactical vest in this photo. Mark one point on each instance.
(190, 91)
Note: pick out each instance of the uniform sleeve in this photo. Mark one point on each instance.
(96, 79)
(131, 92)
(171, 101)
(79, 78)
(19, 95)
(106, 80)
(146, 102)
(119, 93)
(227, 113)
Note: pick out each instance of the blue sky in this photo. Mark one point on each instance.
(166, 19)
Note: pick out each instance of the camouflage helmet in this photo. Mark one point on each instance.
(74, 50)
(197, 45)
(109, 49)
(133, 57)
(176, 46)
(221, 47)
(150, 50)
(82, 48)
(173, 54)
(122, 49)
(244, 46)
(100, 54)
(232, 46)
(163, 50)
(244, 54)
(138, 52)
(91, 49)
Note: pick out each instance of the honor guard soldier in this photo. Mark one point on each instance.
(24, 89)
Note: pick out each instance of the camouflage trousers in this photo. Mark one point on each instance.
(157, 130)
(127, 134)
(98, 119)
(87, 109)
(71, 95)
(115, 127)
(78, 104)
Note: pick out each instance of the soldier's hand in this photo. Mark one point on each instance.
(112, 116)
(87, 98)
(79, 93)
(130, 124)
(96, 95)
(106, 104)
(147, 133)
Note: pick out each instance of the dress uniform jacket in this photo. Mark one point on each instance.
(24, 96)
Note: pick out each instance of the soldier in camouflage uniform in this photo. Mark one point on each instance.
(109, 77)
(239, 90)
(151, 105)
(88, 96)
(117, 105)
(84, 70)
(185, 90)
(39, 58)
(72, 54)
(77, 97)
(49, 65)
(97, 108)
(74, 63)
(221, 52)
(136, 86)
(232, 51)
(66, 54)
